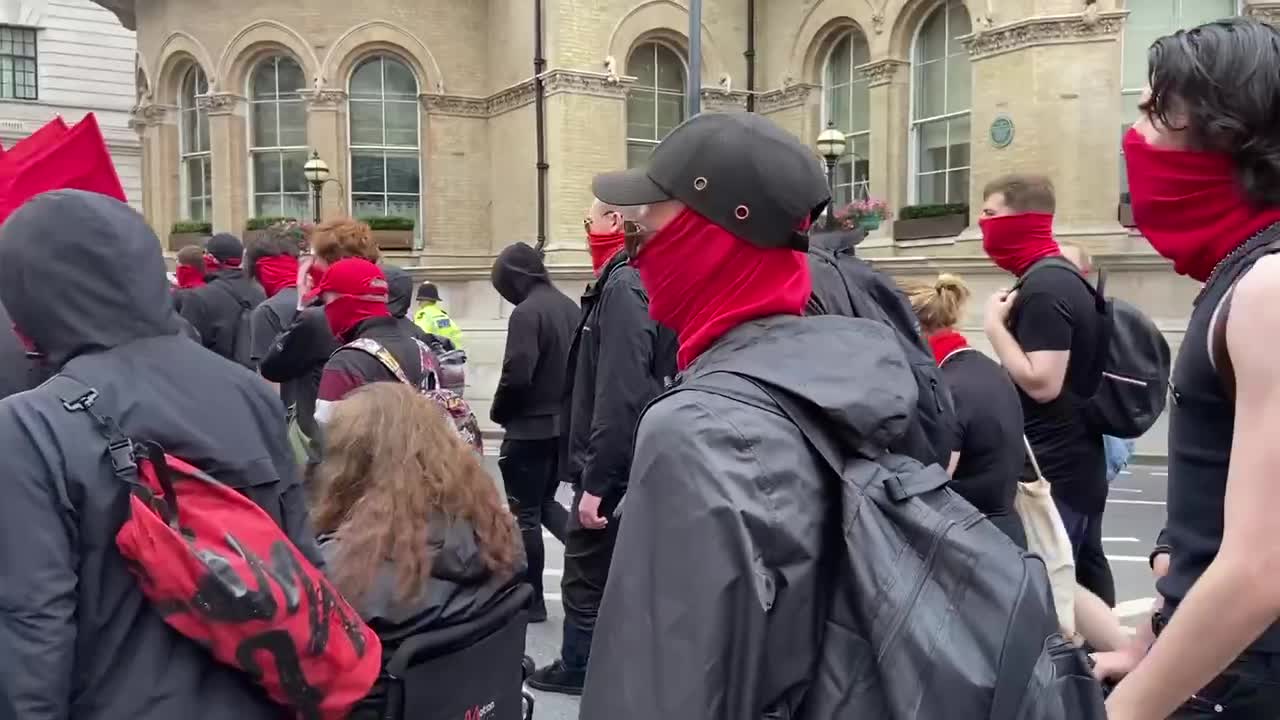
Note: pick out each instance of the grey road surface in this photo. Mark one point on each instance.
(1135, 514)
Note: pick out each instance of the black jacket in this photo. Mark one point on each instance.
(350, 368)
(83, 276)
(216, 310)
(529, 397)
(17, 371)
(619, 361)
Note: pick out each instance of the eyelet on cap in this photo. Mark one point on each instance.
(700, 183)
(742, 212)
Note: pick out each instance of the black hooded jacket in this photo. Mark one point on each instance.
(17, 371)
(218, 309)
(530, 391)
(82, 275)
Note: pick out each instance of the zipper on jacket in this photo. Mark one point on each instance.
(1123, 379)
(919, 585)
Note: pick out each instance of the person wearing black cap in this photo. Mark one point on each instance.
(432, 318)
(720, 614)
(220, 310)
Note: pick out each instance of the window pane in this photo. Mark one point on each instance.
(838, 112)
(202, 126)
(266, 172)
(638, 154)
(641, 66)
(959, 26)
(670, 70)
(195, 209)
(366, 122)
(932, 188)
(6, 41)
(269, 206)
(402, 124)
(402, 173)
(929, 90)
(933, 146)
(670, 112)
(403, 206)
(958, 186)
(1147, 20)
(195, 178)
(367, 80)
(861, 53)
(297, 206)
(264, 80)
(293, 179)
(640, 115)
(931, 44)
(399, 80)
(368, 205)
(190, 134)
(293, 123)
(264, 125)
(291, 78)
(1198, 12)
(958, 83)
(206, 189)
(959, 142)
(838, 62)
(367, 172)
(861, 101)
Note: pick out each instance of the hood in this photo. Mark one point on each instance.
(81, 273)
(866, 395)
(517, 271)
(399, 290)
(837, 241)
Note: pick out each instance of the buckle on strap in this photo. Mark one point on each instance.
(81, 403)
(122, 456)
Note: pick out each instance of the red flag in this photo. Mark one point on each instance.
(75, 159)
(36, 142)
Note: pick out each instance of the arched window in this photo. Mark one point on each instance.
(1147, 21)
(196, 177)
(941, 81)
(385, 157)
(278, 139)
(847, 104)
(655, 103)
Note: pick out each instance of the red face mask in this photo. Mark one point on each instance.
(1189, 205)
(276, 273)
(189, 277)
(345, 312)
(603, 247)
(703, 281)
(1015, 242)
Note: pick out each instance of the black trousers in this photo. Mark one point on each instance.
(587, 557)
(1093, 571)
(1249, 689)
(530, 472)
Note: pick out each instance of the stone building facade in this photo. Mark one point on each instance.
(427, 108)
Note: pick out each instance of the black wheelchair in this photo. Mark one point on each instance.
(452, 673)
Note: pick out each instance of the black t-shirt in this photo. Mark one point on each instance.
(1055, 310)
(989, 416)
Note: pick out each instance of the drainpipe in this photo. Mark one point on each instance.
(693, 99)
(540, 121)
(750, 54)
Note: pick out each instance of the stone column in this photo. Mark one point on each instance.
(455, 175)
(229, 147)
(158, 134)
(889, 87)
(326, 134)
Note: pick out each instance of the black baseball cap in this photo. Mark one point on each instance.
(739, 170)
(225, 246)
(428, 291)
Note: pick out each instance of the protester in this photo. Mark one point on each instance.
(989, 456)
(399, 301)
(720, 612)
(620, 359)
(189, 273)
(18, 372)
(84, 279)
(398, 483)
(1046, 335)
(527, 401)
(433, 318)
(1204, 175)
(220, 310)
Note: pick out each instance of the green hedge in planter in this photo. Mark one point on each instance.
(916, 212)
(389, 222)
(262, 223)
(183, 227)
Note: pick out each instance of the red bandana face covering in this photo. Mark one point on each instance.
(603, 247)
(276, 273)
(345, 312)
(1015, 242)
(1188, 205)
(703, 282)
(189, 277)
(946, 342)
(214, 264)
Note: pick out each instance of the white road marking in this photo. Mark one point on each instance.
(1125, 472)
(554, 572)
(1160, 473)
(1136, 502)
(1130, 608)
(1120, 539)
(1129, 558)
(1132, 490)
(552, 597)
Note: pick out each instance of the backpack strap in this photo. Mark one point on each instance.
(369, 346)
(1219, 353)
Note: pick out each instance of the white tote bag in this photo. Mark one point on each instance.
(1047, 537)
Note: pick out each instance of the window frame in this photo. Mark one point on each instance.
(278, 150)
(656, 45)
(15, 58)
(204, 155)
(385, 149)
(915, 124)
(852, 138)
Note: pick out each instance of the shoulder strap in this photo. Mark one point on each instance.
(369, 346)
(426, 360)
(76, 397)
(1031, 455)
(226, 287)
(1219, 354)
(1099, 292)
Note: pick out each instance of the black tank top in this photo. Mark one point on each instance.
(1201, 423)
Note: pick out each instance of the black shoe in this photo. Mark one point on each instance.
(556, 678)
(537, 613)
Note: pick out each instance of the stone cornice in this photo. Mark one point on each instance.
(794, 95)
(511, 98)
(577, 82)
(149, 114)
(1049, 30)
(324, 98)
(1268, 12)
(455, 105)
(219, 103)
(882, 72)
(720, 100)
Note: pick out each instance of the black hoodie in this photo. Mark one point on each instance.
(82, 276)
(527, 402)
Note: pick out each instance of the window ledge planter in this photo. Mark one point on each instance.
(258, 226)
(937, 226)
(188, 233)
(391, 233)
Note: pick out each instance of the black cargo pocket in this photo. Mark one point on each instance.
(1234, 694)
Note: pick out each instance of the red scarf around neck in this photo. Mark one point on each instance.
(1189, 205)
(703, 281)
(189, 277)
(214, 264)
(603, 247)
(276, 273)
(1015, 242)
(945, 342)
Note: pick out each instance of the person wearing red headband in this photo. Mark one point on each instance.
(220, 309)
(1204, 181)
(1046, 335)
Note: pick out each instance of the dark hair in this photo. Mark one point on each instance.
(282, 238)
(1023, 193)
(1220, 81)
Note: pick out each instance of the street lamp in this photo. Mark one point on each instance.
(831, 145)
(317, 173)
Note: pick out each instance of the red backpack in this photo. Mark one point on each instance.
(220, 571)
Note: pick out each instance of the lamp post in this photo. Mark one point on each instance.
(831, 145)
(317, 173)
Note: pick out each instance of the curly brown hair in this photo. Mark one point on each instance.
(345, 237)
(392, 463)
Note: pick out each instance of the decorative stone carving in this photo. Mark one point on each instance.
(1045, 31)
(584, 83)
(219, 103)
(793, 95)
(322, 98)
(881, 72)
(512, 98)
(147, 115)
(1268, 13)
(719, 99)
(455, 105)
(877, 23)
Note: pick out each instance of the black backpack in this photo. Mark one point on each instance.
(242, 343)
(1134, 362)
(845, 285)
(950, 618)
